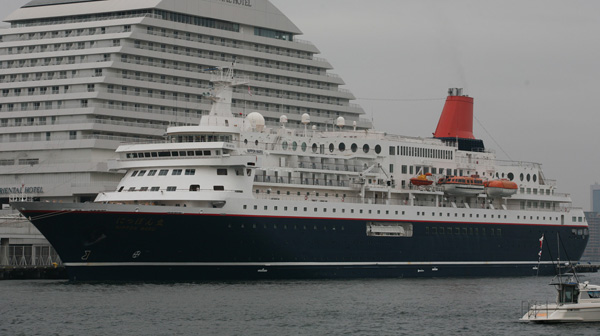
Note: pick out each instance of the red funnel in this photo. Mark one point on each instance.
(456, 120)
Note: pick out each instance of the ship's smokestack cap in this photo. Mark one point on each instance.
(456, 120)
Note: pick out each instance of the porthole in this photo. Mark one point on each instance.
(245, 141)
(294, 146)
(528, 177)
(366, 148)
(534, 177)
(377, 149)
(284, 145)
(521, 176)
(304, 146)
(354, 148)
(315, 147)
(502, 175)
(331, 148)
(256, 142)
(511, 176)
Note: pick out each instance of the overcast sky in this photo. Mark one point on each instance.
(533, 68)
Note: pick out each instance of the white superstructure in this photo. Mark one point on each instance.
(77, 78)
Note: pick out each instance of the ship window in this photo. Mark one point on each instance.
(284, 145)
(142, 173)
(144, 189)
(163, 172)
(256, 207)
(464, 231)
(174, 154)
(221, 171)
(135, 172)
(152, 173)
(331, 148)
(171, 188)
(354, 148)
(155, 189)
(314, 148)
(295, 208)
(121, 189)
(528, 177)
(190, 172)
(132, 189)
(218, 188)
(457, 231)
(164, 154)
(245, 207)
(366, 148)
(207, 153)
(194, 187)
(304, 146)
(342, 146)
(176, 172)
(377, 149)
(198, 153)
(389, 229)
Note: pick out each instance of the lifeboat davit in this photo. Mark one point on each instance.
(500, 188)
(421, 180)
(462, 185)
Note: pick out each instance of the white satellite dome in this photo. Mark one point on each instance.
(340, 122)
(256, 121)
(306, 119)
(283, 119)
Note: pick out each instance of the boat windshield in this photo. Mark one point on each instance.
(568, 294)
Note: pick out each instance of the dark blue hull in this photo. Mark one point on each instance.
(160, 246)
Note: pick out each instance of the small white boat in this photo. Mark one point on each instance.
(576, 302)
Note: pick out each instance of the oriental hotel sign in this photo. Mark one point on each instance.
(246, 3)
(22, 190)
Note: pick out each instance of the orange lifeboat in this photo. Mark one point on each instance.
(421, 180)
(500, 188)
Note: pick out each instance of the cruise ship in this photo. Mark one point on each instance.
(232, 198)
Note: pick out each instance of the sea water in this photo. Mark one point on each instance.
(447, 306)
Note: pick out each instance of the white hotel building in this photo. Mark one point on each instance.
(79, 77)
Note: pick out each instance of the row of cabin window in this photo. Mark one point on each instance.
(171, 154)
(285, 227)
(193, 187)
(285, 208)
(421, 152)
(460, 231)
(163, 172)
(456, 215)
(178, 172)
